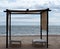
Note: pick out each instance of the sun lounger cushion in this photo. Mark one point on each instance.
(39, 40)
(15, 43)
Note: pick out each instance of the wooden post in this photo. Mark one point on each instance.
(47, 29)
(7, 28)
(41, 26)
(9, 24)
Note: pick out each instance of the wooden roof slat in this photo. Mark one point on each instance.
(27, 10)
(25, 13)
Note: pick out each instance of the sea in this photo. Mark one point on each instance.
(29, 30)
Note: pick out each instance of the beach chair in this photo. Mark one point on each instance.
(15, 43)
(39, 42)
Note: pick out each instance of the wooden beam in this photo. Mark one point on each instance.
(25, 13)
(28, 10)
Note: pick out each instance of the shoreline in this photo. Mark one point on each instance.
(27, 35)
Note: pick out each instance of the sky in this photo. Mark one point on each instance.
(53, 5)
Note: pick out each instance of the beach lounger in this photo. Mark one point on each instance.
(15, 43)
(39, 42)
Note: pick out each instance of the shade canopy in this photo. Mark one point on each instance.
(44, 21)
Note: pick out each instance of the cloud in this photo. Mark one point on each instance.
(54, 18)
(26, 20)
(57, 14)
(32, 4)
(25, 23)
(28, 4)
(54, 5)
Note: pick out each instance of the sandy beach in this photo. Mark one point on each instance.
(54, 42)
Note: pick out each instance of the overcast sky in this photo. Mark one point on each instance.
(54, 15)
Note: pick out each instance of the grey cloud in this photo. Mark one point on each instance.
(2, 14)
(25, 23)
(22, 18)
(11, 1)
(50, 5)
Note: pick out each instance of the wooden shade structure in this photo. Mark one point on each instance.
(44, 21)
